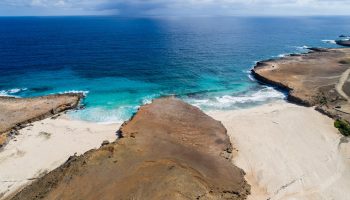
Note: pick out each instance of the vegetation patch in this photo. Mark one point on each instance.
(343, 127)
(323, 100)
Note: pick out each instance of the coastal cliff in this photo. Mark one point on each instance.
(319, 78)
(168, 150)
(16, 112)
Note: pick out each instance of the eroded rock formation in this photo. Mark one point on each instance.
(16, 112)
(168, 150)
(318, 78)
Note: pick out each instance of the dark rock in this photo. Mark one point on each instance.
(105, 142)
(345, 43)
(317, 49)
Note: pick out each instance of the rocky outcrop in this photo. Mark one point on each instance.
(168, 150)
(16, 112)
(318, 78)
(345, 43)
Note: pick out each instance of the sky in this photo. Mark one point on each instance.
(163, 8)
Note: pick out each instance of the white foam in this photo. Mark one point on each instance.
(11, 92)
(302, 47)
(329, 41)
(261, 95)
(282, 55)
(227, 101)
(104, 115)
(148, 99)
(84, 92)
(250, 76)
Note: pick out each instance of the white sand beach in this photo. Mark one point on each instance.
(289, 152)
(46, 145)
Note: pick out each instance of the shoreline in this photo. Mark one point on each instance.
(147, 156)
(318, 78)
(308, 153)
(16, 113)
(259, 134)
(45, 145)
(285, 137)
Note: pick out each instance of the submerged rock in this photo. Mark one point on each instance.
(168, 150)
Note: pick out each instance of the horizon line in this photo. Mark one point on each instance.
(174, 16)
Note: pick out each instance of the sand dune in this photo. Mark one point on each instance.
(289, 152)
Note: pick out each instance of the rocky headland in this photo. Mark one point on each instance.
(319, 78)
(172, 150)
(17, 112)
(168, 150)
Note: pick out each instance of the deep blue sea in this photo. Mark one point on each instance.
(122, 63)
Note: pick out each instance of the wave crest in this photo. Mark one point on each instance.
(329, 41)
(84, 92)
(236, 101)
(11, 92)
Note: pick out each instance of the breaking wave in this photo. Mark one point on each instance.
(263, 95)
(104, 115)
(329, 41)
(11, 92)
(84, 92)
(108, 115)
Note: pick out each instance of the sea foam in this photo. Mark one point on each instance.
(84, 92)
(104, 115)
(11, 92)
(235, 101)
(329, 41)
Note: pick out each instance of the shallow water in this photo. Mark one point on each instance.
(123, 62)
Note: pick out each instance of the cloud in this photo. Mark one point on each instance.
(227, 7)
(183, 7)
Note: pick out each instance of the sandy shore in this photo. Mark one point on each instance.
(46, 145)
(169, 150)
(289, 152)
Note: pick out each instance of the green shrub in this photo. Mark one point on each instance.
(343, 127)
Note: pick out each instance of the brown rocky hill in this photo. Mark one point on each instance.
(168, 150)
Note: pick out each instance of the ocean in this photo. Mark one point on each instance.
(122, 63)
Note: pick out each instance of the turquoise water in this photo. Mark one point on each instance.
(121, 63)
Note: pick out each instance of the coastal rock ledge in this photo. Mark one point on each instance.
(15, 113)
(319, 78)
(168, 150)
